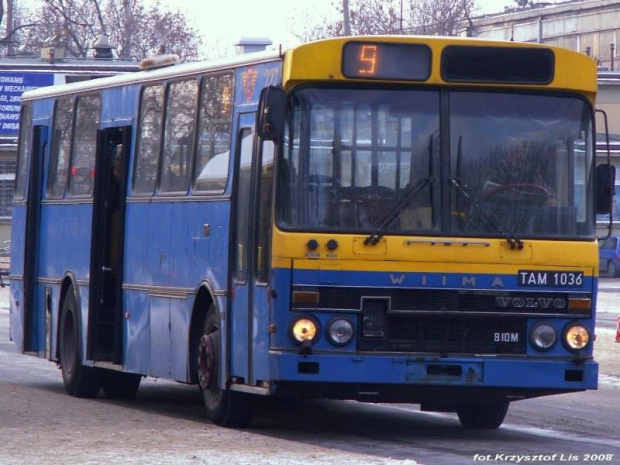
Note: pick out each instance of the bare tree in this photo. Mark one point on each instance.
(141, 32)
(137, 31)
(369, 17)
(439, 17)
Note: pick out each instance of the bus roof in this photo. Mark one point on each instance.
(321, 60)
(147, 75)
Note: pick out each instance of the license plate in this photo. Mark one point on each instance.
(550, 278)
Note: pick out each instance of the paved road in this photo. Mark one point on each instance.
(165, 425)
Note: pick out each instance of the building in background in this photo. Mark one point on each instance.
(26, 71)
(592, 27)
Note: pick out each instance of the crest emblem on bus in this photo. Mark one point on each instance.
(248, 79)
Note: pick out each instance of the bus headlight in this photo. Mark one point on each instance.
(543, 336)
(304, 329)
(339, 331)
(576, 337)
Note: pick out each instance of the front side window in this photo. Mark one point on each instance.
(215, 123)
(61, 148)
(520, 164)
(360, 159)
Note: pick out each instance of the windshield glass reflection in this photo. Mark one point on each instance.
(512, 165)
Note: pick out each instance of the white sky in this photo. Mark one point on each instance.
(226, 21)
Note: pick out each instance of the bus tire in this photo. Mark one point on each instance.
(79, 380)
(488, 415)
(223, 407)
(119, 385)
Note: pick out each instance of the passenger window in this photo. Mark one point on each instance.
(61, 148)
(149, 138)
(179, 133)
(82, 173)
(23, 157)
(213, 148)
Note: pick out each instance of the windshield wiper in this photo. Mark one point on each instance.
(489, 217)
(413, 191)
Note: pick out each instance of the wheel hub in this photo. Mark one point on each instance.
(207, 362)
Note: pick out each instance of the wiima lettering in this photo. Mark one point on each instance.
(441, 280)
(397, 279)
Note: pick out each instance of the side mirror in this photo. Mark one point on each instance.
(605, 181)
(271, 111)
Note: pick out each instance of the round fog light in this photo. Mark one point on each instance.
(543, 336)
(576, 337)
(303, 329)
(339, 331)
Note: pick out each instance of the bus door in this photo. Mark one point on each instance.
(249, 339)
(105, 318)
(31, 249)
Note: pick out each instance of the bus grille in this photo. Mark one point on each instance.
(436, 334)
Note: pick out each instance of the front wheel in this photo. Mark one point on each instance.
(223, 407)
(79, 380)
(488, 415)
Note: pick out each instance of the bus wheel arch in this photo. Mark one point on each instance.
(79, 380)
(68, 285)
(203, 302)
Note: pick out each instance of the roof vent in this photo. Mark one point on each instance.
(252, 45)
(53, 48)
(103, 48)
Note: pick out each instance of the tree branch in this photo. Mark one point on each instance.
(7, 37)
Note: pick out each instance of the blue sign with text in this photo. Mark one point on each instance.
(12, 86)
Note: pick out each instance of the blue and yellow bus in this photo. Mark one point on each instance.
(387, 219)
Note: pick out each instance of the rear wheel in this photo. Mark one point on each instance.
(119, 385)
(223, 407)
(489, 415)
(79, 380)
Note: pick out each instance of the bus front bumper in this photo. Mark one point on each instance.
(532, 373)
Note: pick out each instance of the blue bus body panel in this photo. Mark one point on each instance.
(119, 104)
(137, 332)
(167, 251)
(63, 249)
(18, 237)
(43, 111)
(260, 336)
(63, 246)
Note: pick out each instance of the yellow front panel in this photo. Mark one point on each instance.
(439, 254)
(321, 61)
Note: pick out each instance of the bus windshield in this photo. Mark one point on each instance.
(420, 162)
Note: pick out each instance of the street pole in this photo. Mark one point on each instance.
(347, 18)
